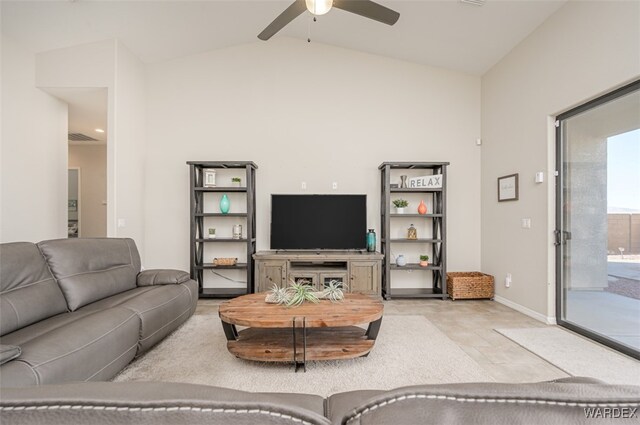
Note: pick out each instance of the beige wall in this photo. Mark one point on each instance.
(109, 64)
(312, 113)
(92, 162)
(585, 49)
(33, 153)
(130, 146)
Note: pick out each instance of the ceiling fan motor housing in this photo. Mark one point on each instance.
(319, 7)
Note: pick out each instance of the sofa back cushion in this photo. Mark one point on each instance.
(28, 291)
(90, 269)
(495, 404)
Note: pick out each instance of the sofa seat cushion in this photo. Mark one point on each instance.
(157, 403)
(91, 269)
(28, 291)
(93, 347)
(114, 300)
(35, 331)
(491, 404)
(161, 310)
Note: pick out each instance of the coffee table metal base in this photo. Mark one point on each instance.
(298, 343)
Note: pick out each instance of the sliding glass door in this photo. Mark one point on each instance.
(598, 219)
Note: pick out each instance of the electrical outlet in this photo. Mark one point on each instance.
(507, 280)
(334, 185)
(526, 223)
(303, 185)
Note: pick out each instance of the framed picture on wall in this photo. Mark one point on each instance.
(508, 188)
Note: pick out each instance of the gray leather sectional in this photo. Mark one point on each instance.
(81, 309)
(568, 401)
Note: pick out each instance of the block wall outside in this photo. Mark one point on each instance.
(624, 232)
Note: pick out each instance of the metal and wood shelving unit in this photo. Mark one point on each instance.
(438, 240)
(197, 231)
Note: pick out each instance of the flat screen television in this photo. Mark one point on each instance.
(318, 222)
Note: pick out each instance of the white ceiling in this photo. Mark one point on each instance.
(445, 33)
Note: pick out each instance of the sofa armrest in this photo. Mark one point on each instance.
(161, 277)
(9, 352)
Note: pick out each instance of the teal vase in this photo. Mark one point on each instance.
(224, 204)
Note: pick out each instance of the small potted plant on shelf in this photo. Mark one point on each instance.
(236, 181)
(400, 205)
(424, 260)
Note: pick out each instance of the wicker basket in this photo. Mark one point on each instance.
(469, 285)
(225, 261)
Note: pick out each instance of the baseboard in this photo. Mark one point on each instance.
(524, 310)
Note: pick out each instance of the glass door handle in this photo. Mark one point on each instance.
(561, 237)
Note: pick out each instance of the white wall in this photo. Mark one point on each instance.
(130, 145)
(109, 64)
(92, 162)
(585, 49)
(307, 112)
(33, 153)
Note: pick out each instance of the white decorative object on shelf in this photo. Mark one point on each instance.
(209, 177)
(433, 181)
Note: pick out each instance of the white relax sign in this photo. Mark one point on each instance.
(426, 182)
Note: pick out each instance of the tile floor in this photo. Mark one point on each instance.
(471, 325)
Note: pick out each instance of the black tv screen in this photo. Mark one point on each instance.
(318, 221)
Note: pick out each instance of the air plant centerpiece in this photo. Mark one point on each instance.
(277, 295)
(333, 291)
(300, 291)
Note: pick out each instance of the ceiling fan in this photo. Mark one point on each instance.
(365, 8)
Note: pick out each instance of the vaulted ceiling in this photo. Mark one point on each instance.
(447, 33)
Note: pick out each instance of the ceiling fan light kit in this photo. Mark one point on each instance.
(365, 8)
(319, 7)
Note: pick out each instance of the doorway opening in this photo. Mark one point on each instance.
(87, 160)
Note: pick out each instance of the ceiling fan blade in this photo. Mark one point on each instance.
(289, 14)
(368, 9)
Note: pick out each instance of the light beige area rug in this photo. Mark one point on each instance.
(576, 355)
(409, 350)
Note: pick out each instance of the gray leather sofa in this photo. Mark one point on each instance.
(568, 401)
(81, 309)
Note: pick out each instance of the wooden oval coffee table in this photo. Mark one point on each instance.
(323, 331)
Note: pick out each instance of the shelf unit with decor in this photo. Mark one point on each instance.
(437, 241)
(200, 195)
